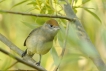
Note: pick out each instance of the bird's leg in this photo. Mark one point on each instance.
(24, 53)
(38, 63)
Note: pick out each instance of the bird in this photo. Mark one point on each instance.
(40, 40)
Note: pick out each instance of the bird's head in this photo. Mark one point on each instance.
(51, 25)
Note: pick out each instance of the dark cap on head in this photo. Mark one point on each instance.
(52, 22)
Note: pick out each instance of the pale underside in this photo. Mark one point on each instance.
(36, 45)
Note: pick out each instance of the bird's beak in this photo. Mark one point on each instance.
(58, 28)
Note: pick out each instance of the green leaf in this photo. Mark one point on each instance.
(19, 3)
(85, 1)
(104, 36)
(104, 4)
(75, 10)
(87, 48)
(61, 35)
(73, 57)
(6, 64)
(30, 25)
(75, 1)
(2, 1)
(93, 14)
(55, 56)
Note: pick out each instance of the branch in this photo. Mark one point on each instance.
(19, 52)
(18, 59)
(37, 15)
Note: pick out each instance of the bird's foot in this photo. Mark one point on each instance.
(24, 53)
(38, 63)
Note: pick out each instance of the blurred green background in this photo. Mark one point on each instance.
(91, 13)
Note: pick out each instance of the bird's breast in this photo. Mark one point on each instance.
(38, 44)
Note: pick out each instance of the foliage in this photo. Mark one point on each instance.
(17, 27)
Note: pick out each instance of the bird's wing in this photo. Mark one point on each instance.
(29, 35)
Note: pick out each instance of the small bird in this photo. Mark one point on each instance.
(40, 40)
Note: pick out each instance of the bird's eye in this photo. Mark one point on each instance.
(51, 25)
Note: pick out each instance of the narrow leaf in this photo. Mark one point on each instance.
(85, 1)
(93, 14)
(75, 1)
(2, 1)
(30, 25)
(19, 3)
(55, 56)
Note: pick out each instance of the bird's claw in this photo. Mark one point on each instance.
(24, 53)
(38, 63)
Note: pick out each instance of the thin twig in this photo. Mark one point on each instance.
(65, 42)
(18, 59)
(37, 15)
(64, 47)
(12, 65)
